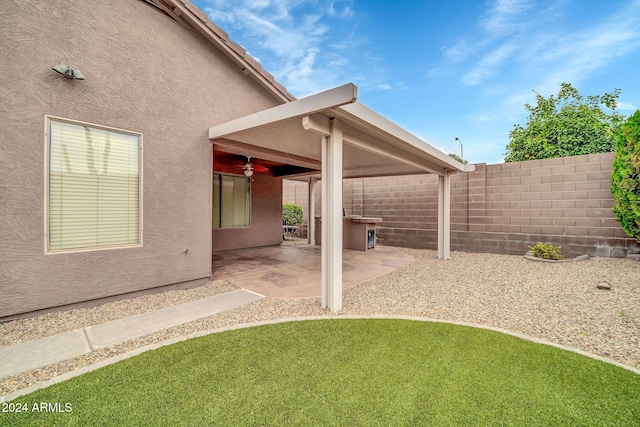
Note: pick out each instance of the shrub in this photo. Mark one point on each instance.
(291, 214)
(625, 176)
(566, 124)
(546, 251)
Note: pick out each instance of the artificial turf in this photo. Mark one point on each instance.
(343, 372)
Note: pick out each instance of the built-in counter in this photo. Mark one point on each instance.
(358, 232)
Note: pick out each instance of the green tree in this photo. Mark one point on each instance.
(292, 214)
(566, 124)
(625, 176)
(458, 158)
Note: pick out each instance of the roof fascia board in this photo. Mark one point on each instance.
(360, 113)
(331, 98)
(320, 124)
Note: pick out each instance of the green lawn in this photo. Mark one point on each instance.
(346, 373)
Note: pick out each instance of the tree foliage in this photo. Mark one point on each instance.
(566, 124)
(625, 176)
(458, 158)
(291, 214)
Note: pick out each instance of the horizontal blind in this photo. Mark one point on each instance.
(93, 187)
(216, 201)
(231, 201)
(240, 201)
(226, 202)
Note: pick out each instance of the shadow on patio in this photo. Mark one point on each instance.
(294, 271)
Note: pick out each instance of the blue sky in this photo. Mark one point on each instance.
(444, 69)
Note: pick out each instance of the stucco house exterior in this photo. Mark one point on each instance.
(128, 179)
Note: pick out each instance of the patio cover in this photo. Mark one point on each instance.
(330, 131)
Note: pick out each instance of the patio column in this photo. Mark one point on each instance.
(444, 215)
(311, 214)
(332, 218)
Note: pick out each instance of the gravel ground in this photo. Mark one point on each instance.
(555, 302)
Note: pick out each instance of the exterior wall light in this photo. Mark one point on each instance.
(68, 72)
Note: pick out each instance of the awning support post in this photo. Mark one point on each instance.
(332, 218)
(444, 215)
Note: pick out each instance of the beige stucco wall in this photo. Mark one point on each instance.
(266, 218)
(144, 72)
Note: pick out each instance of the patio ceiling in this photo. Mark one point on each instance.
(292, 133)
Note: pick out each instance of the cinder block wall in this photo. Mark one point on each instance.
(563, 201)
(502, 208)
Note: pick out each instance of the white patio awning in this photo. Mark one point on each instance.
(373, 145)
(333, 133)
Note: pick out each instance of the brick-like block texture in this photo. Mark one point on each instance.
(502, 208)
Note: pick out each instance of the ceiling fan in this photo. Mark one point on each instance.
(249, 168)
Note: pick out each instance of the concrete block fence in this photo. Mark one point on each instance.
(502, 208)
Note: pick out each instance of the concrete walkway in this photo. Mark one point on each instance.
(36, 354)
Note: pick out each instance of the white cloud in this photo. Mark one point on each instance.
(484, 116)
(626, 106)
(303, 68)
(458, 51)
(341, 9)
(487, 65)
(337, 61)
(523, 38)
(342, 45)
(219, 16)
(503, 17)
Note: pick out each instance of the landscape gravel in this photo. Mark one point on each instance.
(559, 303)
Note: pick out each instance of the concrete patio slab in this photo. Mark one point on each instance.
(294, 271)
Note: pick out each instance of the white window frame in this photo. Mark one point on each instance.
(249, 207)
(47, 154)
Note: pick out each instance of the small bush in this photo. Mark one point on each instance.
(625, 177)
(546, 251)
(292, 214)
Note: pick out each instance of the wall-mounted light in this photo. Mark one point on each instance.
(68, 72)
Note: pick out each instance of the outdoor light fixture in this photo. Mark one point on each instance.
(461, 155)
(68, 72)
(248, 167)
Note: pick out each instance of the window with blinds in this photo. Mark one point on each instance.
(231, 201)
(93, 184)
